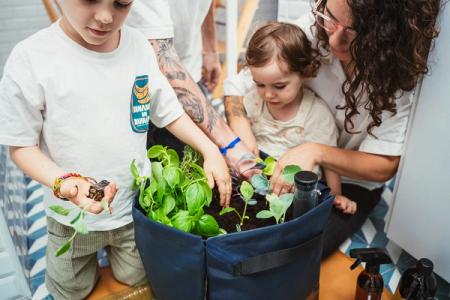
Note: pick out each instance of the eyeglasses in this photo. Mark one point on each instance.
(330, 25)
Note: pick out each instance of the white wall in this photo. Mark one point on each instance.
(420, 220)
(19, 19)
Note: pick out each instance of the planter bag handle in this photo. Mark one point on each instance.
(275, 259)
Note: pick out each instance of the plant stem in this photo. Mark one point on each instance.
(245, 210)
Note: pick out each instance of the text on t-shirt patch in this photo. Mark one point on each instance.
(140, 105)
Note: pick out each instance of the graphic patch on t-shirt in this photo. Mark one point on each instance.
(140, 104)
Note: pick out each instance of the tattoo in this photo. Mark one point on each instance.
(172, 68)
(191, 104)
(234, 107)
(212, 117)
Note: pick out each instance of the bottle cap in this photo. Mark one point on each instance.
(425, 266)
(306, 180)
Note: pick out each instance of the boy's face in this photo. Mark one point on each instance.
(94, 24)
(276, 85)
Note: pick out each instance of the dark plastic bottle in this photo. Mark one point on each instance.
(417, 283)
(370, 285)
(306, 194)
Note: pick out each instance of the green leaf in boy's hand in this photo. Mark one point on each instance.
(60, 210)
(64, 248)
(80, 226)
(289, 172)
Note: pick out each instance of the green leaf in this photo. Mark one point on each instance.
(246, 190)
(171, 175)
(289, 172)
(264, 214)
(173, 158)
(183, 221)
(168, 204)
(287, 199)
(64, 248)
(222, 231)
(105, 204)
(277, 208)
(157, 170)
(60, 210)
(80, 226)
(134, 170)
(208, 192)
(207, 226)
(199, 170)
(161, 189)
(270, 165)
(260, 183)
(156, 151)
(195, 197)
(227, 210)
(272, 197)
(77, 217)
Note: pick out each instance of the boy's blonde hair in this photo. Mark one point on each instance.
(284, 42)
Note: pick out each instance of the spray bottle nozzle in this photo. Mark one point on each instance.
(373, 257)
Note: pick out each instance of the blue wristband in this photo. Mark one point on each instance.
(230, 146)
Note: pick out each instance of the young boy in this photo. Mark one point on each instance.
(77, 97)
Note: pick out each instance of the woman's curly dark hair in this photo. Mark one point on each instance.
(284, 42)
(389, 52)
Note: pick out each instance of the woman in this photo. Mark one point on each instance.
(374, 53)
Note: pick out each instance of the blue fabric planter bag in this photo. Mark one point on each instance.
(174, 261)
(275, 262)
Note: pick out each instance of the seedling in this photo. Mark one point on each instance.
(277, 207)
(247, 192)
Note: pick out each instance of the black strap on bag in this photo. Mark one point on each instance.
(274, 259)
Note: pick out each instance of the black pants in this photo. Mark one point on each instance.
(341, 226)
(161, 136)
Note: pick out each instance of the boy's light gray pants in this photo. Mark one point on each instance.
(73, 275)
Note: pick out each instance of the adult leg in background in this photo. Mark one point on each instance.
(340, 226)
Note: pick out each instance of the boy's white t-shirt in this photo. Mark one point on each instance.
(389, 136)
(177, 19)
(87, 111)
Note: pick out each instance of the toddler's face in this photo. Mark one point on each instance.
(276, 85)
(94, 24)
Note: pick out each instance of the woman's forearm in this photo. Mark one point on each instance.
(357, 164)
(35, 164)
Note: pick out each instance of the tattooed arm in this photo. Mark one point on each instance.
(196, 106)
(238, 121)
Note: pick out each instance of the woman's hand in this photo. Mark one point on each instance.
(306, 156)
(77, 189)
(217, 171)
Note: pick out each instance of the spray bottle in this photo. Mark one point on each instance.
(369, 285)
(417, 283)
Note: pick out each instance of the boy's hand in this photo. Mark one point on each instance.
(77, 189)
(346, 205)
(217, 171)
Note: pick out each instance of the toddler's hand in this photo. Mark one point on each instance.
(216, 170)
(77, 189)
(344, 204)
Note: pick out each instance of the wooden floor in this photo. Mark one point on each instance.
(337, 282)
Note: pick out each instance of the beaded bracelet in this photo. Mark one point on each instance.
(230, 146)
(59, 180)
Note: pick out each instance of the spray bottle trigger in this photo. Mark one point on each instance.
(355, 264)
